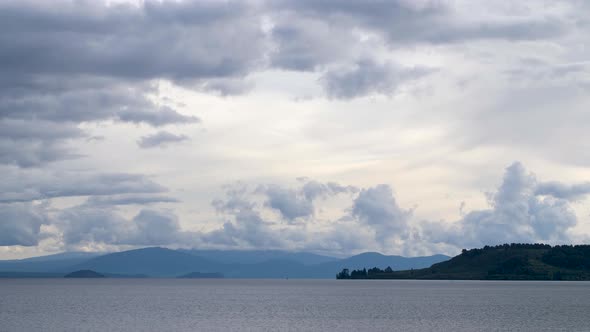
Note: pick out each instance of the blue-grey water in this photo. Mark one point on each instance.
(291, 305)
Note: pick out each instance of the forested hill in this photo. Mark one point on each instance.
(503, 262)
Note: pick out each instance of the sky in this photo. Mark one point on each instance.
(335, 127)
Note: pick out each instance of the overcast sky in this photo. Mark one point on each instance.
(404, 127)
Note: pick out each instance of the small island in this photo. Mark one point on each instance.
(514, 261)
(84, 274)
(201, 275)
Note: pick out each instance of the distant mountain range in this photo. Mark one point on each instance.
(163, 262)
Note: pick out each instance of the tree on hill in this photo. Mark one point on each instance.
(344, 274)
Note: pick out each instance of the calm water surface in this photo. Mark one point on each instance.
(291, 305)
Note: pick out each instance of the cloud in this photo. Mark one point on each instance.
(299, 202)
(31, 129)
(377, 208)
(248, 230)
(276, 216)
(20, 224)
(73, 69)
(516, 215)
(227, 86)
(162, 116)
(24, 186)
(29, 143)
(38, 123)
(87, 99)
(160, 139)
(129, 199)
(368, 77)
(288, 202)
(250, 223)
(157, 228)
(33, 152)
(313, 189)
(564, 191)
(244, 226)
(174, 40)
(304, 44)
(92, 62)
(372, 221)
(346, 40)
(85, 225)
(401, 22)
(375, 220)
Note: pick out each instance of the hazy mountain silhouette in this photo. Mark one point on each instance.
(84, 274)
(374, 259)
(52, 263)
(62, 256)
(259, 256)
(163, 262)
(156, 262)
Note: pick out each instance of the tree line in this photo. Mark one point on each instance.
(362, 274)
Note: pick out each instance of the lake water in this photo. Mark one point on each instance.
(291, 305)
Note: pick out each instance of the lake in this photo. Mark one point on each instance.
(291, 305)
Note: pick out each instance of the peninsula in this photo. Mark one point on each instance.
(503, 262)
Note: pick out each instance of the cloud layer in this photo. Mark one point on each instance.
(517, 214)
(100, 103)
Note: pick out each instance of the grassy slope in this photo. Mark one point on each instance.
(494, 263)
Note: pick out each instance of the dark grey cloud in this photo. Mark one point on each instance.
(71, 62)
(299, 202)
(32, 129)
(367, 77)
(83, 225)
(162, 116)
(37, 124)
(403, 22)
(86, 99)
(340, 38)
(67, 64)
(20, 224)
(304, 44)
(23, 186)
(288, 202)
(130, 199)
(158, 228)
(89, 61)
(86, 225)
(33, 152)
(516, 215)
(28, 143)
(174, 40)
(160, 139)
